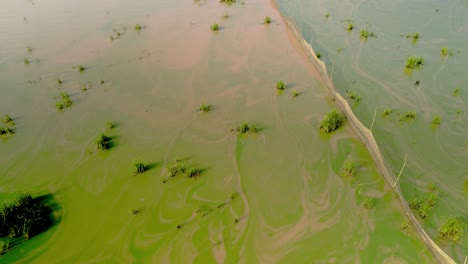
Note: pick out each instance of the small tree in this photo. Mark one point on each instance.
(138, 167)
(331, 122)
(103, 142)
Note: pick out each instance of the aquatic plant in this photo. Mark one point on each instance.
(436, 121)
(214, 27)
(331, 122)
(446, 52)
(103, 142)
(295, 94)
(202, 210)
(59, 81)
(369, 203)
(318, 55)
(7, 120)
(267, 20)
(413, 62)
(245, 128)
(29, 49)
(79, 68)
(229, 2)
(453, 229)
(225, 16)
(350, 27)
(456, 91)
(26, 61)
(204, 108)
(193, 173)
(109, 124)
(350, 168)
(408, 116)
(137, 27)
(24, 217)
(353, 96)
(138, 167)
(423, 207)
(101, 81)
(327, 15)
(280, 85)
(432, 187)
(364, 33)
(386, 112)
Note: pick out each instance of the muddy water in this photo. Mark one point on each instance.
(374, 69)
(277, 196)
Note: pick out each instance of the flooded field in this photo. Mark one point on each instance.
(206, 192)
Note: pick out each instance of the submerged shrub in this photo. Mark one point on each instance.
(369, 203)
(80, 68)
(446, 52)
(24, 217)
(350, 27)
(103, 142)
(204, 108)
(386, 112)
(318, 55)
(280, 85)
(413, 62)
(453, 228)
(295, 93)
(214, 27)
(109, 124)
(353, 96)
(26, 61)
(364, 33)
(229, 2)
(331, 122)
(137, 27)
(408, 116)
(350, 168)
(436, 121)
(267, 20)
(138, 167)
(245, 128)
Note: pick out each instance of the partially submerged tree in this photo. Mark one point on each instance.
(331, 122)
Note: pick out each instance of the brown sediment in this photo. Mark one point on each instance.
(364, 133)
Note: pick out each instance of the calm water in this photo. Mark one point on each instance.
(374, 69)
(278, 196)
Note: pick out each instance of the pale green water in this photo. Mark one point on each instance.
(374, 69)
(292, 205)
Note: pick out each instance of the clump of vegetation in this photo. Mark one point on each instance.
(369, 203)
(7, 120)
(424, 206)
(331, 122)
(59, 81)
(280, 85)
(350, 168)
(24, 217)
(456, 91)
(176, 170)
(353, 96)
(109, 125)
(103, 142)
(436, 121)
(101, 81)
(214, 27)
(229, 2)
(408, 116)
(225, 16)
(318, 55)
(245, 128)
(267, 20)
(193, 173)
(364, 33)
(26, 61)
(79, 68)
(181, 169)
(446, 52)
(202, 210)
(350, 27)
(65, 102)
(327, 15)
(29, 49)
(295, 94)
(453, 228)
(415, 36)
(204, 108)
(137, 27)
(4, 131)
(386, 112)
(413, 62)
(432, 187)
(138, 167)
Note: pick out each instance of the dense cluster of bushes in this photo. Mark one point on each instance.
(331, 122)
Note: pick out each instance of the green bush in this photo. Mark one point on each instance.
(423, 207)
(436, 121)
(193, 173)
(24, 217)
(353, 96)
(280, 85)
(103, 142)
(295, 93)
(364, 33)
(214, 27)
(109, 125)
(331, 122)
(267, 20)
(414, 62)
(138, 167)
(350, 168)
(318, 55)
(386, 112)
(350, 27)
(137, 27)
(204, 108)
(446, 52)
(453, 228)
(245, 128)
(369, 203)
(80, 68)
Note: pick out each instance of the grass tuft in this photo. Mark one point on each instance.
(350, 168)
